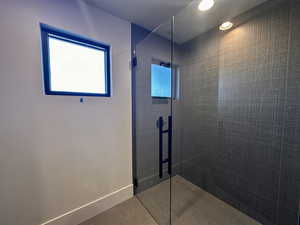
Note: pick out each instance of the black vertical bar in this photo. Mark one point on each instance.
(170, 133)
(160, 125)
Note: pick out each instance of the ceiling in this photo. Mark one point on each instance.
(189, 21)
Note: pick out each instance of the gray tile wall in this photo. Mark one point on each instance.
(240, 108)
(253, 62)
(199, 108)
(290, 172)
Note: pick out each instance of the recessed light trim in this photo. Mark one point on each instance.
(226, 26)
(205, 5)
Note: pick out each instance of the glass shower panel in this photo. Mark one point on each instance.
(152, 81)
(236, 157)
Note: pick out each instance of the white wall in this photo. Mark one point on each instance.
(57, 154)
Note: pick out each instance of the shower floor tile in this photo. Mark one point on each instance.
(130, 212)
(190, 206)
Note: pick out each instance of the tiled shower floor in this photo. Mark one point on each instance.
(190, 206)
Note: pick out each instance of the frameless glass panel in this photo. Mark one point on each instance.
(152, 110)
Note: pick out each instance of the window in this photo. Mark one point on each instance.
(160, 81)
(74, 65)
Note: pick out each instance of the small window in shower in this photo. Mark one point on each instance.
(161, 81)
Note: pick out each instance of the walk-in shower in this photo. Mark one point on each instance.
(222, 147)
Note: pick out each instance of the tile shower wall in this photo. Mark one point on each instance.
(290, 173)
(199, 108)
(241, 92)
(252, 64)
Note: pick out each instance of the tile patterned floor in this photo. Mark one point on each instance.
(190, 206)
(130, 212)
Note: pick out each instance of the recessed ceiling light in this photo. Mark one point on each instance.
(226, 25)
(205, 5)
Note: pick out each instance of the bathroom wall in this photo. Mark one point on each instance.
(290, 166)
(57, 154)
(200, 77)
(240, 105)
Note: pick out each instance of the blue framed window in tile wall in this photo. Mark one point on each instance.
(74, 65)
(160, 81)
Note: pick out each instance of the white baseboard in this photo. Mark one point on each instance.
(91, 209)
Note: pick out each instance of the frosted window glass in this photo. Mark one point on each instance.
(160, 81)
(76, 68)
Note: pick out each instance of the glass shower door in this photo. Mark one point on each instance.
(152, 85)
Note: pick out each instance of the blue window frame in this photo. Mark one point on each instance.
(74, 65)
(160, 81)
